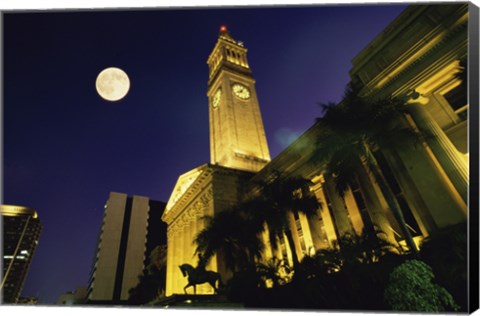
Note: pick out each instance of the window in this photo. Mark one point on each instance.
(457, 98)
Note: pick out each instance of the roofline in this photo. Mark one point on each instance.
(16, 210)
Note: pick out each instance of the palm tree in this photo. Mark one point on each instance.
(366, 248)
(324, 261)
(349, 251)
(233, 235)
(151, 283)
(275, 270)
(372, 245)
(275, 204)
(351, 131)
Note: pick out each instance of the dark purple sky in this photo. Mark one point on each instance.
(65, 148)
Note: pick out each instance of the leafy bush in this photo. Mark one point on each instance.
(411, 288)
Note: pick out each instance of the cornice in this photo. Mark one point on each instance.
(422, 68)
(445, 39)
(230, 68)
(386, 36)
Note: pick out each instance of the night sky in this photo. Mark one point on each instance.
(65, 148)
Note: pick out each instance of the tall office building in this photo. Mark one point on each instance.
(130, 230)
(21, 230)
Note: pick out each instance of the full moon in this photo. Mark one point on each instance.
(112, 84)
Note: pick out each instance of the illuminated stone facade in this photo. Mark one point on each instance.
(237, 136)
(423, 61)
(200, 192)
(238, 148)
(420, 57)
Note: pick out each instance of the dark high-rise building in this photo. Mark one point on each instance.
(131, 229)
(21, 230)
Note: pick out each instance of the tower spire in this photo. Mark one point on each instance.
(225, 34)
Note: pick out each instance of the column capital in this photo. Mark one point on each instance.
(415, 97)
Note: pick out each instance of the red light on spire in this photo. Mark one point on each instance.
(223, 28)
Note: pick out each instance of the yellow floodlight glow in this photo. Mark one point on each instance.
(15, 210)
(440, 78)
(409, 60)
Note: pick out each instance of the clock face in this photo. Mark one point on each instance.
(241, 91)
(216, 98)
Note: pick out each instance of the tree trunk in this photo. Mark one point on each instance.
(391, 200)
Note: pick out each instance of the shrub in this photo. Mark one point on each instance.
(411, 288)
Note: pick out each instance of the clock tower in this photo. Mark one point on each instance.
(237, 136)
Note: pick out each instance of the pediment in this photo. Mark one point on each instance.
(183, 183)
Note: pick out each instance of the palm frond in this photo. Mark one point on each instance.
(231, 234)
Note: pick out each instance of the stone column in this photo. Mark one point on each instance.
(179, 278)
(181, 246)
(170, 248)
(357, 219)
(325, 214)
(317, 234)
(175, 271)
(195, 229)
(307, 234)
(339, 211)
(199, 226)
(376, 204)
(292, 224)
(187, 255)
(191, 235)
(267, 251)
(288, 249)
(445, 152)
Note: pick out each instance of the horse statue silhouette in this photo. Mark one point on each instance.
(199, 276)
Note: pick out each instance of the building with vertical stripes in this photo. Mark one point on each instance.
(130, 230)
